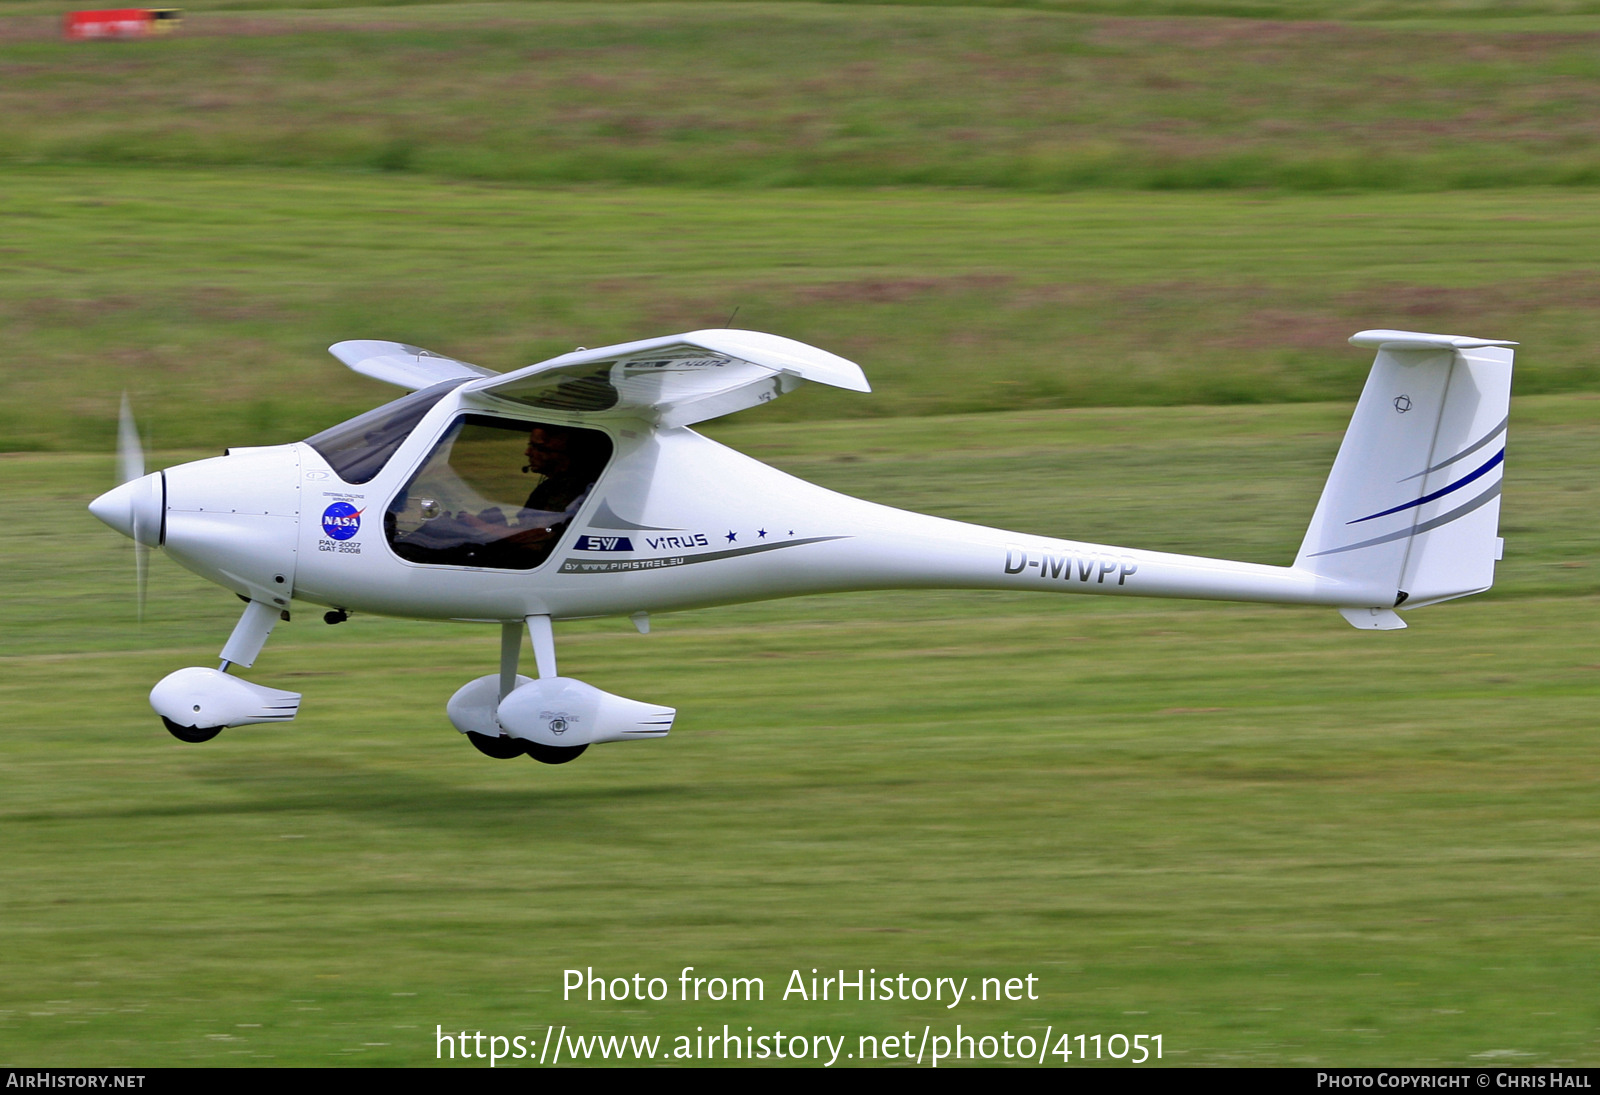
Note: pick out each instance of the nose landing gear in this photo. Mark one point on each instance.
(194, 735)
(196, 703)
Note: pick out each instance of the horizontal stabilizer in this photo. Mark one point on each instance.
(1416, 340)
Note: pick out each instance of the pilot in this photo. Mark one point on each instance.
(550, 455)
(564, 462)
(567, 462)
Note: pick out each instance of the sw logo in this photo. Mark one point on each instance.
(603, 543)
(341, 520)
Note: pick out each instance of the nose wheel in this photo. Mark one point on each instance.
(194, 735)
(196, 703)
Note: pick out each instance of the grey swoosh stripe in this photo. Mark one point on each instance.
(1466, 452)
(1426, 526)
(606, 517)
(604, 566)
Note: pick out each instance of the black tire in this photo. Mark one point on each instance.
(500, 748)
(194, 735)
(554, 754)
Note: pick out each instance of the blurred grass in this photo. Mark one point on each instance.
(210, 296)
(754, 95)
(1466, 11)
(1255, 830)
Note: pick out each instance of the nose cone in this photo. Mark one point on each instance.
(135, 509)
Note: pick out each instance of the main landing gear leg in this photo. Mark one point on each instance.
(544, 656)
(503, 746)
(544, 645)
(510, 655)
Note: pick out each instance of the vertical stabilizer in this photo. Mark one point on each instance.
(1411, 508)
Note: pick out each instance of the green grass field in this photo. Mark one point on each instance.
(1099, 261)
(222, 290)
(991, 208)
(746, 95)
(1263, 834)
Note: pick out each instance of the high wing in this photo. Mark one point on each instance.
(675, 380)
(406, 366)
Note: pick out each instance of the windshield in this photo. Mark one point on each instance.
(358, 449)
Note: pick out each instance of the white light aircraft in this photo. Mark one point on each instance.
(575, 488)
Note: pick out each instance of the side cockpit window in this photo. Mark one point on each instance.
(496, 493)
(358, 449)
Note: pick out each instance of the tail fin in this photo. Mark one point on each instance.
(1411, 509)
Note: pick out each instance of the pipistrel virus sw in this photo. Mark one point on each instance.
(575, 487)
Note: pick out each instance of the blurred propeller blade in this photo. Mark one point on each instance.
(130, 466)
(141, 574)
(130, 454)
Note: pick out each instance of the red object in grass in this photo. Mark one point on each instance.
(120, 22)
(112, 23)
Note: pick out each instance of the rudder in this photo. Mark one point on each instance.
(1410, 512)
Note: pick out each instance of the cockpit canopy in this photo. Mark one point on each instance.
(496, 493)
(358, 449)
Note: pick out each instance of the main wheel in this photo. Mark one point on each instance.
(194, 735)
(500, 748)
(554, 754)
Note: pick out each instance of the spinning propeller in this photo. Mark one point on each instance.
(130, 466)
(136, 506)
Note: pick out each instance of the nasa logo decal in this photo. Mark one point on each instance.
(341, 520)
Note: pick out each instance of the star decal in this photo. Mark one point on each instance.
(732, 536)
(761, 534)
